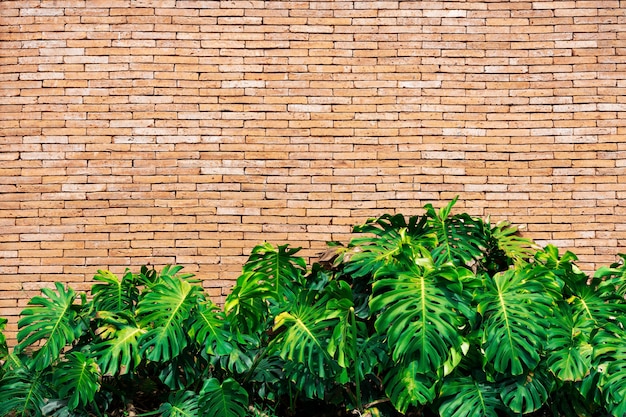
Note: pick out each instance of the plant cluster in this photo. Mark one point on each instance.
(441, 313)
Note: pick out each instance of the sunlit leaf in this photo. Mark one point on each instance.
(49, 324)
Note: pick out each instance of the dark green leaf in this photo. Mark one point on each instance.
(517, 309)
(526, 393)
(228, 399)
(419, 314)
(467, 397)
(23, 393)
(180, 404)
(77, 379)
(406, 386)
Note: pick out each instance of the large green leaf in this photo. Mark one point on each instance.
(271, 276)
(77, 379)
(612, 278)
(49, 325)
(23, 393)
(113, 294)
(164, 311)
(406, 386)
(180, 404)
(460, 237)
(117, 349)
(588, 303)
(516, 247)
(467, 397)
(418, 313)
(569, 350)
(306, 329)
(343, 342)
(526, 393)
(517, 307)
(208, 328)
(228, 399)
(609, 357)
(392, 241)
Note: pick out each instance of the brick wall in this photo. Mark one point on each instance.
(140, 131)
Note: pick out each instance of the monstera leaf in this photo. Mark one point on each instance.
(270, 276)
(208, 329)
(569, 348)
(117, 349)
(49, 325)
(526, 393)
(517, 248)
(228, 399)
(406, 386)
(460, 238)
(77, 379)
(419, 313)
(609, 357)
(306, 329)
(23, 392)
(468, 397)
(612, 278)
(588, 303)
(392, 241)
(164, 310)
(517, 307)
(114, 294)
(180, 404)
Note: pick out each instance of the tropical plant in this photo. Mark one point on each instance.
(438, 313)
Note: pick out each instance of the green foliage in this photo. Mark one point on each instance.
(227, 399)
(439, 313)
(51, 323)
(4, 350)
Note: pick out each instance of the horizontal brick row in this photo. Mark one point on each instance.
(187, 132)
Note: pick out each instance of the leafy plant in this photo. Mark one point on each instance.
(439, 313)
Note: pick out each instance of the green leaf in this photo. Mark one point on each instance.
(610, 360)
(419, 314)
(23, 393)
(517, 309)
(307, 329)
(270, 277)
(460, 237)
(467, 397)
(49, 325)
(164, 310)
(612, 279)
(77, 379)
(228, 399)
(208, 329)
(393, 242)
(4, 350)
(526, 393)
(569, 350)
(514, 246)
(406, 386)
(114, 294)
(180, 404)
(117, 351)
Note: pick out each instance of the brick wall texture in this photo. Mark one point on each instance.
(187, 132)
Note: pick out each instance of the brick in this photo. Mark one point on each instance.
(190, 131)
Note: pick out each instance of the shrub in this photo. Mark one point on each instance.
(439, 313)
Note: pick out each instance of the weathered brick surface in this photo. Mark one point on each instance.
(175, 131)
